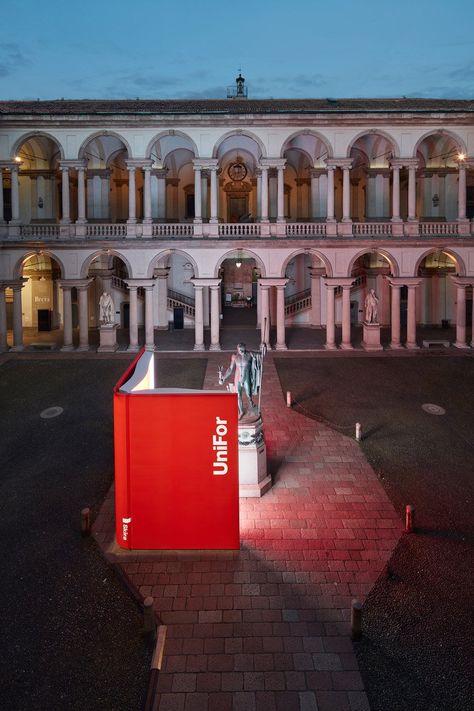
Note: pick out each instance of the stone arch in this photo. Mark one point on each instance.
(170, 132)
(36, 134)
(247, 253)
(316, 134)
(309, 252)
(98, 134)
(378, 132)
(459, 261)
(238, 132)
(390, 259)
(18, 268)
(441, 132)
(100, 252)
(164, 254)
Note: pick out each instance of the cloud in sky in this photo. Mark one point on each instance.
(11, 58)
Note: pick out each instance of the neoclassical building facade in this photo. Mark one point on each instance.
(293, 208)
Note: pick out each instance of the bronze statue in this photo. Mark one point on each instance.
(247, 369)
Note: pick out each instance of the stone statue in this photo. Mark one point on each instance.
(370, 304)
(107, 309)
(247, 369)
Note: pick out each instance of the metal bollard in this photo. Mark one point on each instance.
(409, 519)
(288, 398)
(86, 522)
(149, 620)
(356, 618)
(358, 431)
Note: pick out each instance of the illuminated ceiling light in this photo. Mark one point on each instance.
(238, 264)
(461, 156)
(18, 159)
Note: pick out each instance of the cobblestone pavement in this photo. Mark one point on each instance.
(268, 627)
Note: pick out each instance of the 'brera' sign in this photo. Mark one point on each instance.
(219, 445)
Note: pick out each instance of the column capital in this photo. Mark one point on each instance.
(278, 163)
(206, 163)
(13, 283)
(197, 282)
(279, 282)
(338, 281)
(404, 281)
(137, 283)
(338, 163)
(80, 284)
(412, 163)
(462, 282)
(72, 164)
(396, 163)
(161, 272)
(317, 172)
(9, 164)
(134, 163)
(68, 284)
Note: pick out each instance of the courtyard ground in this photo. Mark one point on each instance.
(73, 637)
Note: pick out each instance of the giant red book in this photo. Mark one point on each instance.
(176, 464)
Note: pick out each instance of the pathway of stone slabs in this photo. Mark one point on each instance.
(267, 627)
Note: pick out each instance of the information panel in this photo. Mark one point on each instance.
(176, 464)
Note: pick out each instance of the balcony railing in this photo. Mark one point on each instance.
(232, 231)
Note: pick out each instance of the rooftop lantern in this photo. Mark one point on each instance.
(239, 91)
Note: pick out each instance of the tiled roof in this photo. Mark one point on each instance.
(63, 107)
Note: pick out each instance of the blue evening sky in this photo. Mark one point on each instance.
(194, 48)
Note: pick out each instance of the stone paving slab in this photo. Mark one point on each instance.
(267, 627)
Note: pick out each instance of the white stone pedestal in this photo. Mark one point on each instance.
(253, 477)
(371, 337)
(108, 338)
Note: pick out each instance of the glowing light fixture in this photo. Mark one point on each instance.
(238, 261)
(461, 156)
(18, 159)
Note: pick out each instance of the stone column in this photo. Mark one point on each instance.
(2, 213)
(83, 290)
(280, 194)
(411, 316)
(330, 317)
(259, 195)
(412, 192)
(395, 192)
(264, 195)
(460, 284)
(346, 192)
(197, 195)
(330, 206)
(346, 317)
(15, 195)
(161, 194)
(395, 342)
(149, 327)
(3, 320)
(215, 317)
(280, 334)
(66, 212)
(472, 321)
(67, 316)
(132, 197)
(316, 274)
(17, 286)
(133, 318)
(147, 194)
(264, 314)
(198, 317)
(81, 195)
(462, 191)
(213, 217)
(161, 276)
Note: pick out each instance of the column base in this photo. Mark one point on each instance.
(82, 349)
(281, 347)
(330, 347)
(17, 349)
(411, 346)
(199, 347)
(396, 346)
(215, 347)
(66, 349)
(461, 345)
(133, 349)
(346, 347)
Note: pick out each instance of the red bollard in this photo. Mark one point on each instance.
(85, 522)
(409, 519)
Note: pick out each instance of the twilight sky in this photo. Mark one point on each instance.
(194, 48)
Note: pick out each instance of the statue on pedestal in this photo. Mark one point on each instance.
(247, 369)
(371, 302)
(107, 309)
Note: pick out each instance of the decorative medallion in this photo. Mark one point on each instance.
(433, 409)
(237, 171)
